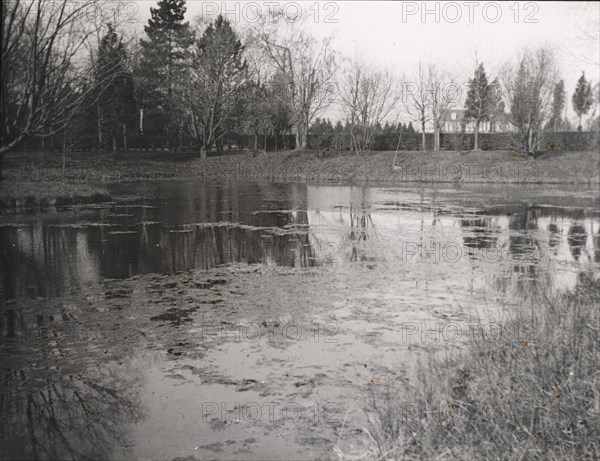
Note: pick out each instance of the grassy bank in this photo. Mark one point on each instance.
(336, 167)
(39, 194)
(523, 396)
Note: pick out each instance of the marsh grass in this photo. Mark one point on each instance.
(515, 398)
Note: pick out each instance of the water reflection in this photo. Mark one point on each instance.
(182, 226)
(71, 418)
(509, 249)
(60, 397)
(577, 238)
(554, 239)
(361, 226)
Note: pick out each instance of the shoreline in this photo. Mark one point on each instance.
(448, 167)
(43, 194)
(31, 186)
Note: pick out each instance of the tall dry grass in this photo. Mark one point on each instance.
(516, 398)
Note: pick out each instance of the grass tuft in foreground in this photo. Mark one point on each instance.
(515, 398)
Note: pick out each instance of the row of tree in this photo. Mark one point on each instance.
(65, 76)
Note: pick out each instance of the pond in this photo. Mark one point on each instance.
(248, 320)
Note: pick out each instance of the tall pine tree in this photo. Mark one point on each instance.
(479, 104)
(582, 98)
(558, 104)
(164, 57)
(115, 104)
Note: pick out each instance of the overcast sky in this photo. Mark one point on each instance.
(396, 34)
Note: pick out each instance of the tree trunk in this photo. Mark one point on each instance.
(423, 141)
(114, 143)
(125, 137)
(64, 151)
(301, 132)
(476, 144)
(180, 139)
(297, 136)
(99, 128)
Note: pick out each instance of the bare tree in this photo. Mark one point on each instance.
(528, 89)
(217, 79)
(368, 96)
(417, 101)
(261, 94)
(585, 22)
(444, 92)
(43, 82)
(308, 65)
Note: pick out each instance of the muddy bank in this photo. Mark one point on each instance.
(16, 195)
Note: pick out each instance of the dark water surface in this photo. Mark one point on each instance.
(173, 226)
(410, 253)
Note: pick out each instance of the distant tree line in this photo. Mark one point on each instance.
(69, 83)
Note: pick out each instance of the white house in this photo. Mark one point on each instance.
(453, 121)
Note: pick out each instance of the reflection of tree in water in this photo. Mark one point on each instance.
(576, 238)
(528, 275)
(293, 248)
(360, 221)
(481, 233)
(278, 237)
(71, 418)
(596, 243)
(44, 259)
(52, 404)
(553, 229)
(479, 236)
(38, 261)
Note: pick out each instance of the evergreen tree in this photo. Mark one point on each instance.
(496, 105)
(582, 98)
(164, 57)
(115, 104)
(338, 141)
(478, 103)
(558, 105)
(411, 136)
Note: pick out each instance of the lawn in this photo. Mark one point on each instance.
(288, 166)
